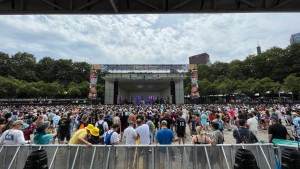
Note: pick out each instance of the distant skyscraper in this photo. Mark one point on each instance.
(295, 38)
(258, 50)
(200, 59)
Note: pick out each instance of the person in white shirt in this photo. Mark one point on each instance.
(105, 127)
(130, 134)
(253, 124)
(14, 135)
(111, 137)
(143, 132)
(278, 113)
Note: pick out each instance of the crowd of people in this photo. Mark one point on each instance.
(146, 124)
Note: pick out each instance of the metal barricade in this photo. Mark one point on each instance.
(138, 157)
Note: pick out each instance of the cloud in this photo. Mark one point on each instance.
(146, 39)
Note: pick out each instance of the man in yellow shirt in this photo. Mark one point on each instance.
(81, 136)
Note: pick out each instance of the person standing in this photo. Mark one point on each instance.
(216, 136)
(143, 132)
(111, 137)
(130, 134)
(102, 126)
(252, 123)
(64, 129)
(243, 134)
(124, 123)
(14, 135)
(164, 137)
(204, 119)
(200, 138)
(166, 118)
(220, 122)
(193, 125)
(181, 126)
(276, 130)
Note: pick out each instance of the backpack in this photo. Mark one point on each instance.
(248, 138)
(221, 126)
(101, 128)
(81, 126)
(107, 138)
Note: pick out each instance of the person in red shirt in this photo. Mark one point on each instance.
(212, 116)
(28, 130)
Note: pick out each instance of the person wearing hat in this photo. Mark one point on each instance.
(276, 130)
(164, 135)
(81, 136)
(94, 139)
(14, 135)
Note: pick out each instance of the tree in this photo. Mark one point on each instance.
(4, 64)
(81, 72)
(46, 70)
(24, 67)
(63, 71)
(292, 83)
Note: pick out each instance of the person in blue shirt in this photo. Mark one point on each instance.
(165, 135)
(295, 124)
(40, 136)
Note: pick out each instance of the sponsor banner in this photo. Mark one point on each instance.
(194, 88)
(93, 81)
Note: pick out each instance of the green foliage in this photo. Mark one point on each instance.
(272, 71)
(292, 83)
(23, 77)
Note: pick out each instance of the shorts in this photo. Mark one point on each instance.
(180, 133)
(64, 135)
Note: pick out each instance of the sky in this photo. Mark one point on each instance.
(146, 39)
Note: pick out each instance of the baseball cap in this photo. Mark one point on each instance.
(95, 131)
(274, 117)
(89, 127)
(17, 122)
(294, 113)
(164, 122)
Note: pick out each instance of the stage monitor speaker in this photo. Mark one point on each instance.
(116, 91)
(172, 87)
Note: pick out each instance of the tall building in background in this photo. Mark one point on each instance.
(200, 59)
(295, 38)
(258, 49)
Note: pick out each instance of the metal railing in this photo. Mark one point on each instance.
(137, 157)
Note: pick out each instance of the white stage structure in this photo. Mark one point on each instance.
(144, 83)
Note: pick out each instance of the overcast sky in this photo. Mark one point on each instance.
(146, 39)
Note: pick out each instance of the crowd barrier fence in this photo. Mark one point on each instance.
(139, 157)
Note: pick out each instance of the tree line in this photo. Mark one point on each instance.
(273, 71)
(22, 76)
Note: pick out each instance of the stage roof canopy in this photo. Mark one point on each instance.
(140, 68)
(144, 81)
(145, 6)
